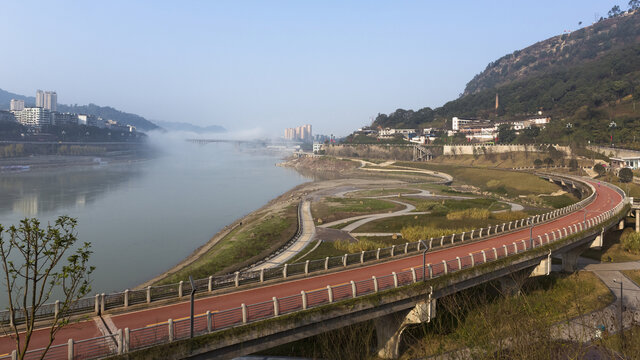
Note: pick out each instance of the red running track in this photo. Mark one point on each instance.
(606, 199)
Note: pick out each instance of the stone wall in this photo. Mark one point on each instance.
(479, 149)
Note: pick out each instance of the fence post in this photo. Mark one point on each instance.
(430, 271)
(459, 263)
(208, 321)
(442, 241)
(375, 284)
(495, 254)
(506, 252)
(96, 306)
(472, 231)
(395, 279)
(56, 308)
(126, 298)
(472, 260)
(306, 267)
(462, 237)
(353, 288)
(413, 274)
(236, 279)
(503, 227)
(484, 256)
(210, 283)
(362, 257)
(378, 254)
(276, 306)
(180, 286)
(148, 294)
(524, 246)
(344, 260)
(70, 354)
(170, 324)
(243, 306)
(102, 305)
(444, 262)
(304, 299)
(284, 271)
(326, 263)
(262, 275)
(393, 250)
(14, 355)
(453, 236)
(406, 248)
(330, 292)
(119, 341)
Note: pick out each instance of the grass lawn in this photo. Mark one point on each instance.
(333, 208)
(633, 275)
(612, 250)
(326, 248)
(507, 183)
(242, 246)
(381, 192)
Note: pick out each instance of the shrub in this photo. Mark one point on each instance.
(600, 169)
(415, 233)
(625, 175)
(509, 215)
(631, 242)
(475, 214)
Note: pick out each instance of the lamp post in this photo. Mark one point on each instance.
(424, 261)
(621, 322)
(192, 295)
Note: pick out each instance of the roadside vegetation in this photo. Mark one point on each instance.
(381, 192)
(242, 246)
(615, 247)
(482, 322)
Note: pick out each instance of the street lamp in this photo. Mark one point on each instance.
(424, 261)
(193, 292)
(621, 323)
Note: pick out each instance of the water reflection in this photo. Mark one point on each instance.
(29, 194)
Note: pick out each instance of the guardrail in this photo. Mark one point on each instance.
(128, 340)
(102, 302)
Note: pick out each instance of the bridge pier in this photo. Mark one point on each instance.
(570, 259)
(389, 328)
(544, 268)
(509, 286)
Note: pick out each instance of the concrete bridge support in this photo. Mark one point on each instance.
(389, 328)
(570, 260)
(544, 268)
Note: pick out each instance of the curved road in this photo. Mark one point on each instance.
(606, 199)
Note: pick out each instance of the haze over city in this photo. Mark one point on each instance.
(269, 65)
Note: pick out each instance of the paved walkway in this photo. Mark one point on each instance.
(308, 232)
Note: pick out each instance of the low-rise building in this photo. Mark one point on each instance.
(631, 162)
(34, 117)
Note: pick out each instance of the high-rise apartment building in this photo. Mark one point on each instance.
(51, 100)
(39, 98)
(16, 105)
(47, 100)
(302, 133)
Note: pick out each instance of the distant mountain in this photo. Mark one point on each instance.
(182, 126)
(106, 112)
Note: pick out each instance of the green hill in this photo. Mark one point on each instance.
(584, 80)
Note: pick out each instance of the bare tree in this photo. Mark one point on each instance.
(38, 262)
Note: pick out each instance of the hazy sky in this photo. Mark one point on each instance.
(269, 64)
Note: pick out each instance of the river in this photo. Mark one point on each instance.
(142, 218)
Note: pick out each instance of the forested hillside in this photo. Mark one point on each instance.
(587, 81)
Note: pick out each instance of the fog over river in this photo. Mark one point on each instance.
(142, 218)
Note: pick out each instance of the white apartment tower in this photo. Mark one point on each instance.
(47, 100)
(35, 117)
(16, 105)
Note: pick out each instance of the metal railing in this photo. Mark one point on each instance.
(128, 340)
(102, 302)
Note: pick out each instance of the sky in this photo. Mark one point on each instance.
(268, 65)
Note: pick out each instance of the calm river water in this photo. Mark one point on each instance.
(145, 217)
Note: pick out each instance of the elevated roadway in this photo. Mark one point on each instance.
(605, 200)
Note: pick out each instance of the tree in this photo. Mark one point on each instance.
(506, 134)
(625, 175)
(600, 169)
(33, 261)
(634, 4)
(548, 161)
(537, 163)
(615, 11)
(573, 164)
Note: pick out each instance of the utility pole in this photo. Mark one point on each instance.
(192, 295)
(621, 322)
